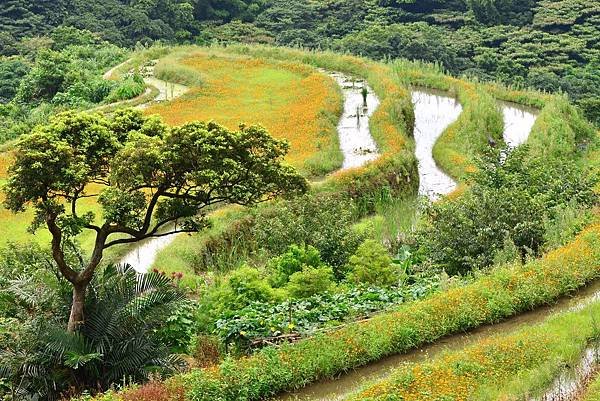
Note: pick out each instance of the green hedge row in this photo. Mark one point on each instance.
(509, 366)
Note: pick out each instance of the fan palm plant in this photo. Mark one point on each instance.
(117, 341)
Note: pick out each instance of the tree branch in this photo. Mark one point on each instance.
(57, 252)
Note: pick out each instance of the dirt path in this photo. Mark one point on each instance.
(166, 91)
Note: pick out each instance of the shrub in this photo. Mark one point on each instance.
(310, 281)
(371, 264)
(206, 351)
(323, 221)
(516, 200)
(127, 89)
(293, 261)
(179, 327)
(466, 233)
(153, 391)
(247, 286)
(240, 288)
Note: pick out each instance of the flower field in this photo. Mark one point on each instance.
(291, 100)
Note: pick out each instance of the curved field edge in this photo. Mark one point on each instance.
(513, 366)
(293, 101)
(504, 293)
(391, 125)
(467, 137)
(559, 130)
(507, 291)
(15, 226)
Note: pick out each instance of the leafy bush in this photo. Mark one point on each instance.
(294, 260)
(323, 221)
(118, 338)
(514, 200)
(310, 281)
(306, 316)
(239, 289)
(246, 285)
(180, 327)
(12, 70)
(126, 89)
(371, 264)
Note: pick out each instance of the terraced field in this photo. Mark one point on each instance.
(293, 101)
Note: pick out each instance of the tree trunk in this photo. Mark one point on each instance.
(76, 318)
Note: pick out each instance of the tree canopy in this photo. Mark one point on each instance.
(150, 180)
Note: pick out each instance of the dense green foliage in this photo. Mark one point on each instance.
(295, 267)
(511, 202)
(551, 45)
(40, 360)
(66, 73)
(302, 294)
(505, 292)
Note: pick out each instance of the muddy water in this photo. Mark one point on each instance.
(343, 386)
(518, 121)
(142, 257)
(356, 143)
(434, 112)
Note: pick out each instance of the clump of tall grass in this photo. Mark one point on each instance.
(129, 88)
(561, 131)
(171, 69)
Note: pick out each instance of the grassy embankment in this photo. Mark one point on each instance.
(505, 292)
(560, 132)
(513, 366)
(593, 391)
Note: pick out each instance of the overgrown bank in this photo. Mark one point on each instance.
(510, 366)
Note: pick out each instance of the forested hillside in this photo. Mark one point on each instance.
(547, 44)
(552, 45)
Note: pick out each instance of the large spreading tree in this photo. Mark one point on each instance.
(150, 180)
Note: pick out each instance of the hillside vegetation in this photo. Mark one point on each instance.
(547, 44)
(203, 143)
